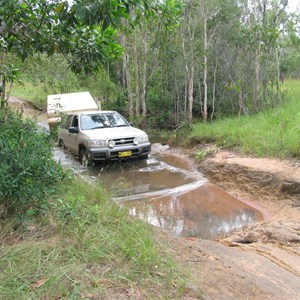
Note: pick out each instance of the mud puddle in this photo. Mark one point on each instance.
(204, 212)
(167, 191)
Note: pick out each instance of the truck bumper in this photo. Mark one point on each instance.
(118, 153)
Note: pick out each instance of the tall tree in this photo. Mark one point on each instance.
(187, 34)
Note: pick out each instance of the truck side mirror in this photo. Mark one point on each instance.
(73, 130)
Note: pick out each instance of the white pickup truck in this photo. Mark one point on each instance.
(102, 136)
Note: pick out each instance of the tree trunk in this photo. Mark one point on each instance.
(129, 90)
(185, 101)
(189, 67)
(126, 76)
(190, 94)
(265, 93)
(242, 108)
(123, 45)
(256, 65)
(205, 71)
(137, 80)
(3, 84)
(278, 74)
(200, 96)
(144, 77)
(256, 82)
(214, 90)
(177, 109)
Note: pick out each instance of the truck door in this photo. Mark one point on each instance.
(64, 131)
(73, 137)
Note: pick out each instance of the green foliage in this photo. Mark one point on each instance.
(55, 76)
(182, 131)
(101, 86)
(24, 26)
(36, 82)
(159, 108)
(94, 248)
(106, 12)
(85, 31)
(119, 103)
(10, 72)
(274, 133)
(91, 46)
(28, 172)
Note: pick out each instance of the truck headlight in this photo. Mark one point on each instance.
(111, 143)
(97, 143)
(141, 139)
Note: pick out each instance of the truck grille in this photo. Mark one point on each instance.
(124, 141)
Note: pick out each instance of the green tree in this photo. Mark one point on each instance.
(143, 49)
(85, 32)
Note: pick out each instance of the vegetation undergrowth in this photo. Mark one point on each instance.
(84, 247)
(273, 133)
(28, 172)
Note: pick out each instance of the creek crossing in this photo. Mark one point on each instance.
(167, 191)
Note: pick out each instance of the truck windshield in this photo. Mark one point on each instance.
(102, 120)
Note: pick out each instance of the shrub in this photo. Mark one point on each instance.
(28, 171)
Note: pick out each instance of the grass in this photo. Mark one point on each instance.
(35, 93)
(85, 247)
(272, 133)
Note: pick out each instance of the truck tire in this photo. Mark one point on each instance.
(85, 159)
(145, 156)
(61, 144)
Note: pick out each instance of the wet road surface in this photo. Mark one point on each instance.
(167, 191)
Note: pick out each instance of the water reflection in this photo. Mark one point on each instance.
(135, 179)
(205, 212)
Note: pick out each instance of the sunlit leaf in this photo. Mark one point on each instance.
(60, 7)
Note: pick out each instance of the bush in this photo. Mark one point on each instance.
(28, 172)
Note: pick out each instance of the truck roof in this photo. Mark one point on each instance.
(91, 112)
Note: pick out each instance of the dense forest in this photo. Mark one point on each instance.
(162, 63)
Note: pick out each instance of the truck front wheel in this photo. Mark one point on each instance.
(145, 156)
(85, 158)
(61, 144)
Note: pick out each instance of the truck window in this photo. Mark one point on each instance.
(67, 122)
(75, 122)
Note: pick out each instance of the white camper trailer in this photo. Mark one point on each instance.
(68, 103)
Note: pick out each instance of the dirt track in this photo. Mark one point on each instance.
(261, 261)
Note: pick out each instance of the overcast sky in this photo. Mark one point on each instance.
(294, 4)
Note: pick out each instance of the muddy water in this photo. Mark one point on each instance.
(167, 191)
(145, 179)
(204, 212)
